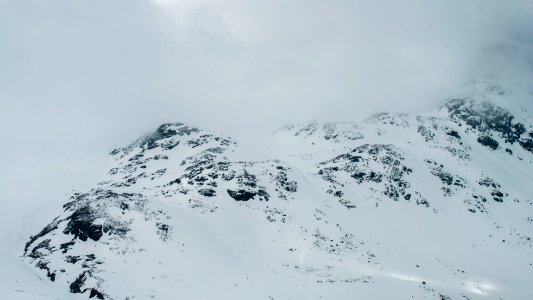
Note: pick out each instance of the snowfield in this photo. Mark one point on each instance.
(433, 205)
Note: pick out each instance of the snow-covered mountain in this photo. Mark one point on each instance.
(434, 205)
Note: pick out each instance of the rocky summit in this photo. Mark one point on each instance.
(431, 205)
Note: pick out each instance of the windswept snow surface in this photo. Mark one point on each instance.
(435, 205)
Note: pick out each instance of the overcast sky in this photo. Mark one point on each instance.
(78, 78)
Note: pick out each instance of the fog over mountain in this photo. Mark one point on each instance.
(81, 78)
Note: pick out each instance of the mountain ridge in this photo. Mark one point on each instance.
(324, 217)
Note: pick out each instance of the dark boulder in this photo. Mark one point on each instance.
(487, 141)
(207, 192)
(241, 195)
(454, 134)
(81, 225)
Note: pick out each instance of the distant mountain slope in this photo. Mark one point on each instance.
(436, 205)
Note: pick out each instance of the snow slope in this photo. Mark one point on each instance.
(435, 205)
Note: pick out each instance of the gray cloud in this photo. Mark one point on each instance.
(78, 78)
